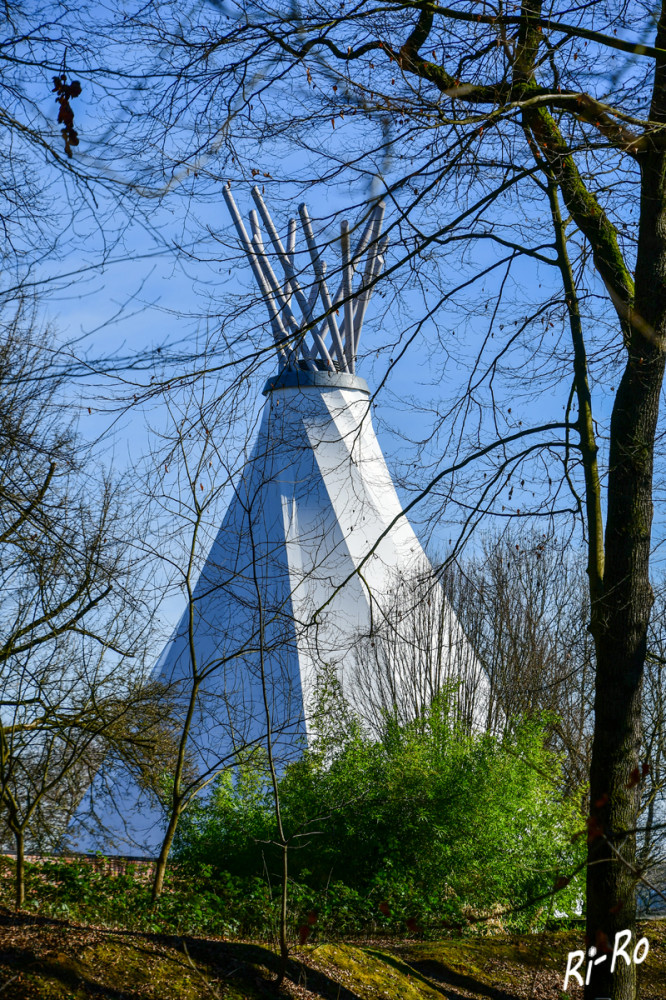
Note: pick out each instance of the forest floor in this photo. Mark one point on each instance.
(46, 959)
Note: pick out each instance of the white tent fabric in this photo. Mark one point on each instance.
(312, 550)
(303, 565)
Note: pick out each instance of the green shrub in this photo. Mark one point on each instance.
(425, 829)
(428, 823)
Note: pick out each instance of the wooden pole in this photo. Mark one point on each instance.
(276, 324)
(289, 332)
(348, 304)
(320, 277)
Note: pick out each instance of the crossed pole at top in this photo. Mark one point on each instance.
(332, 345)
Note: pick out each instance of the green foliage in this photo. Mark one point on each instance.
(231, 824)
(424, 829)
(191, 903)
(428, 825)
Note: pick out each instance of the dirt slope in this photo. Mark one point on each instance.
(43, 959)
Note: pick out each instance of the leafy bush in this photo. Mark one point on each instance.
(85, 892)
(424, 829)
(418, 829)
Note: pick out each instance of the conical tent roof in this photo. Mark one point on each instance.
(307, 555)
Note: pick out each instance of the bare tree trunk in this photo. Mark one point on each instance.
(284, 947)
(620, 618)
(282, 841)
(620, 622)
(165, 849)
(177, 797)
(19, 886)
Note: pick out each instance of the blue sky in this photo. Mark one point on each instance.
(152, 296)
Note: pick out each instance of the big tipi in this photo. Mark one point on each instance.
(314, 538)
